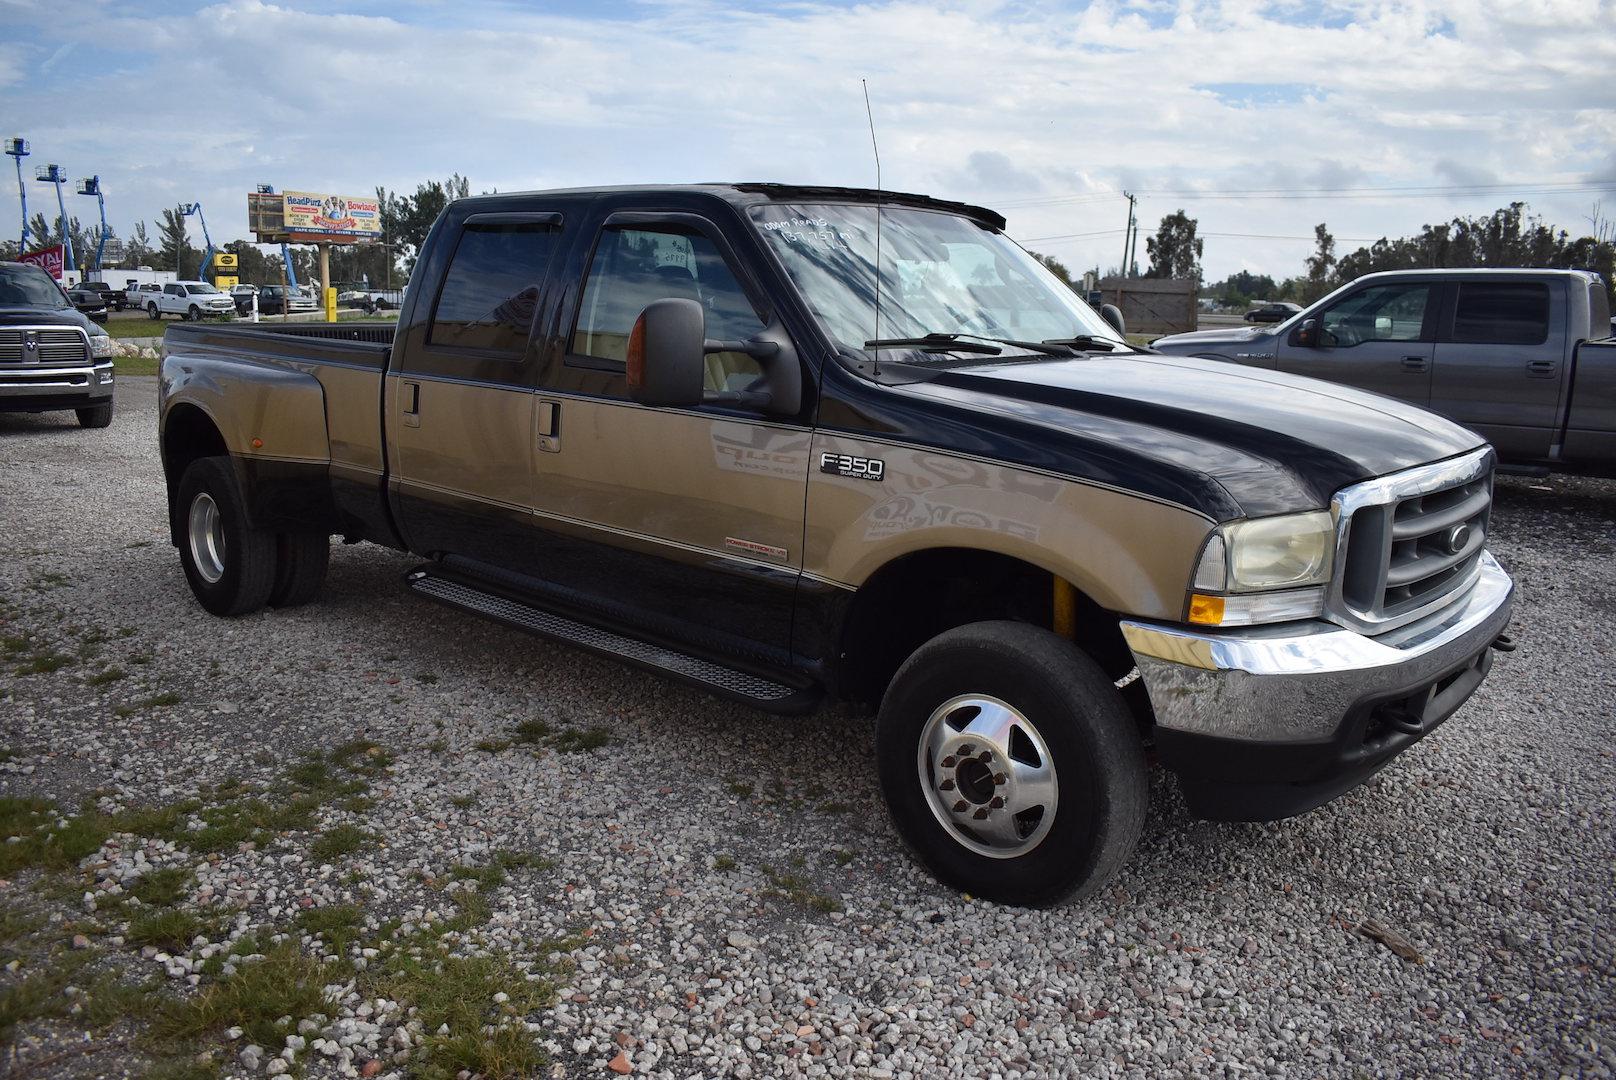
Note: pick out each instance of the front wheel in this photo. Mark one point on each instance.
(1011, 765)
(194, 314)
(152, 312)
(96, 416)
(229, 564)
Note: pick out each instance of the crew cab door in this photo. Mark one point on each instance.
(686, 522)
(173, 298)
(1501, 363)
(1376, 338)
(459, 400)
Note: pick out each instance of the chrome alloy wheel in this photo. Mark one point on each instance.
(207, 538)
(988, 776)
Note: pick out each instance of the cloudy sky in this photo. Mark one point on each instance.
(1259, 119)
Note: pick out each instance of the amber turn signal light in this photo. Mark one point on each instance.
(1206, 610)
(634, 358)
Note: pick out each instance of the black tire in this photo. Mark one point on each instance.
(96, 416)
(300, 564)
(247, 559)
(152, 312)
(1099, 761)
(193, 314)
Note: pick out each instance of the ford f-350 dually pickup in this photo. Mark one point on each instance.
(690, 427)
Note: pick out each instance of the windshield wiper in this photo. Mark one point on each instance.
(975, 343)
(935, 343)
(1084, 341)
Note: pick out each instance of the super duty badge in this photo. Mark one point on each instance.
(860, 468)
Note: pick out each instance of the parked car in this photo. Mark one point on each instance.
(242, 295)
(88, 302)
(272, 301)
(51, 356)
(114, 298)
(370, 300)
(1277, 311)
(657, 423)
(1515, 355)
(190, 300)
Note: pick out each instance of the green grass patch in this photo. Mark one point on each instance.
(522, 860)
(160, 822)
(162, 888)
(43, 663)
(169, 928)
(339, 841)
(723, 862)
(39, 842)
(338, 925)
(740, 789)
(231, 824)
(494, 746)
(283, 983)
(463, 802)
(458, 993)
(102, 678)
(573, 741)
(532, 732)
(486, 877)
(798, 890)
(183, 1067)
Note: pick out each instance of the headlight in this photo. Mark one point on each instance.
(1264, 570)
(101, 346)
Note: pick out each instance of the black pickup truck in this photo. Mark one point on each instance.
(695, 429)
(51, 356)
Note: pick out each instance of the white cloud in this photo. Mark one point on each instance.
(986, 102)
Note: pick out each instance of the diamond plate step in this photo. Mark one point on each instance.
(757, 690)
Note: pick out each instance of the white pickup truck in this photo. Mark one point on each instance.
(189, 300)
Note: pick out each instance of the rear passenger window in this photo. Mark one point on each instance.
(1491, 313)
(633, 267)
(491, 291)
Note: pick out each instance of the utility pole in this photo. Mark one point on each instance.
(18, 149)
(1128, 234)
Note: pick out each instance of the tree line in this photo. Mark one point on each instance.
(1510, 236)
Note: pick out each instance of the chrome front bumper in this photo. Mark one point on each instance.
(1295, 682)
(53, 381)
(1266, 722)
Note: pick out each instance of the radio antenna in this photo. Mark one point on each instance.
(870, 115)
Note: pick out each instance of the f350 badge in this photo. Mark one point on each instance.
(859, 468)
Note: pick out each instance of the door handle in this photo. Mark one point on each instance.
(1415, 363)
(1540, 369)
(548, 425)
(410, 403)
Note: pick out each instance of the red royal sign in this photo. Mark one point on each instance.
(48, 259)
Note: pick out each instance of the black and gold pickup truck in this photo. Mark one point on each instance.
(789, 443)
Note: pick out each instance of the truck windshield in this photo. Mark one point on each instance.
(27, 286)
(940, 274)
(201, 287)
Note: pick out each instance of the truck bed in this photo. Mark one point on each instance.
(343, 366)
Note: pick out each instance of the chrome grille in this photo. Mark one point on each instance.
(54, 345)
(1409, 543)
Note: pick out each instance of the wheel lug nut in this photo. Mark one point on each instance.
(968, 749)
(981, 814)
(1000, 778)
(959, 807)
(948, 762)
(995, 802)
(946, 785)
(984, 757)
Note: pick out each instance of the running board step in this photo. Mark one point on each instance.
(760, 691)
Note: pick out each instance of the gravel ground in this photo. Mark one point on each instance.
(713, 892)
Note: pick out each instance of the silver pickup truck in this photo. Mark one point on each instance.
(1525, 358)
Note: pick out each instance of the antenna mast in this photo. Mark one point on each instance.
(870, 115)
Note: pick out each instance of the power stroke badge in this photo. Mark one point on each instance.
(860, 468)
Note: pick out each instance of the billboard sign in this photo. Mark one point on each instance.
(48, 259)
(331, 215)
(225, 271)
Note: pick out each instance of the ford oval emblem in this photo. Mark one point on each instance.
(1457, 538)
